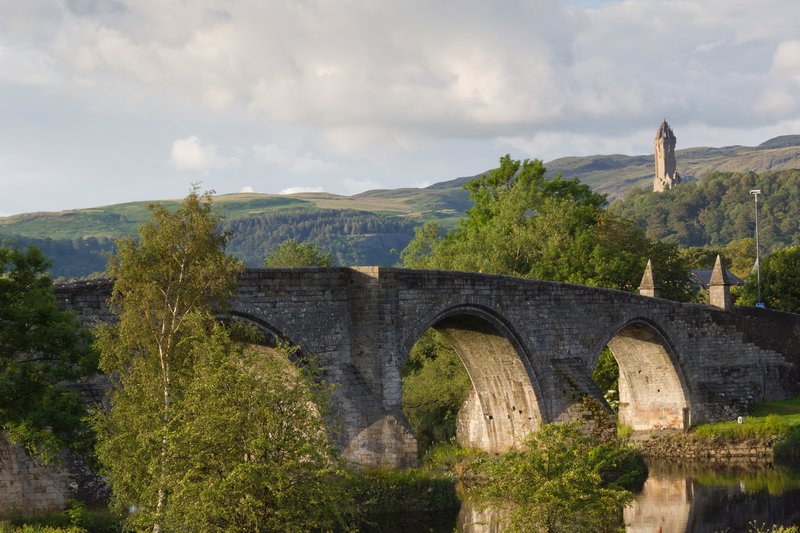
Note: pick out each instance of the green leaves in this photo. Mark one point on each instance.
(564, 480)
(205, 433)
(254, 451)
(780, 281)
(168, 285)
(435, 385)
(40, 347)
(554, 229)
(291, 253)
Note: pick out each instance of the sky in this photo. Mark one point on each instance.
(110, 101)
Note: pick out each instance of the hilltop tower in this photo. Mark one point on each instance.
(666, 174)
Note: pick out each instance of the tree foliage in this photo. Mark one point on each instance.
(166, 286)
(351, 237)
(554, 229)
(40, 348)
(435, 385)
(205, 432)
(718, 209)
(780, 281)
(606, 376)
(291, 253)
(68, 258)
(563, 481)
(737, 256)
(268, 463)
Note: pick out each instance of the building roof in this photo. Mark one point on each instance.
(701, 277)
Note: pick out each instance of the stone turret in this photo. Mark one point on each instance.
(648, 286)
(719, 287)
(666, 172)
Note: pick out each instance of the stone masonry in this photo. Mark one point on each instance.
(529, 347)
(26, 485)
(666, 173)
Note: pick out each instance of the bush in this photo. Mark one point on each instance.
(381, 491)
(77, 518)
(564, 480)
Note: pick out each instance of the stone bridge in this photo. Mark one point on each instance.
(529, 348)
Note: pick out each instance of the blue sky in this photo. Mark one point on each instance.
(119, 100)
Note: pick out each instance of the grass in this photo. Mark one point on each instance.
(444, 457)
(623, 431)
(778, 422)
(77, 518)
(381, 490)
(122, 220)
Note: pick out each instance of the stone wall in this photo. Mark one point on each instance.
(684, 447)
(26, 486)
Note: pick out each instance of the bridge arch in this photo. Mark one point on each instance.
(505, 403)
(271, 333)
(653, 392)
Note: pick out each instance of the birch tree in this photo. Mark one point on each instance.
(168, 283)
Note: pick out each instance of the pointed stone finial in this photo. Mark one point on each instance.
(719, 276)
(648, 285)
(719, 287)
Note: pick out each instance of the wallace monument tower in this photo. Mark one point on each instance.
(666, 174)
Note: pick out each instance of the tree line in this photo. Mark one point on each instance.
(718, 209)
(351, 237)
(67, 258)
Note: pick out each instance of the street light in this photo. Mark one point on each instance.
(759, 303)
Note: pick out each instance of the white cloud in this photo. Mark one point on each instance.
(192, 154)
(382, 94)
(787, 59)
(383, 76)
(289, 160)
(247, 188)
(299, 189)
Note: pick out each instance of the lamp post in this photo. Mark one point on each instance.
(759, 303)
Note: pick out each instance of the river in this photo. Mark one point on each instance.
(675, 499)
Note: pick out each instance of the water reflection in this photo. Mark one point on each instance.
(684, 498)
(675, 498)
(694, 499)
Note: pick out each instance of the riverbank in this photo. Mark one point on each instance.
(770, 432)
(680, 446)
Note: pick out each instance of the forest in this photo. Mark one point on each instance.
(718, 209)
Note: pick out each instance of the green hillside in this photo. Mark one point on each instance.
(365, 228)
(718, 209)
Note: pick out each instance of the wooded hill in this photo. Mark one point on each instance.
(367, 229)
(719, 209)
(713, 207)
